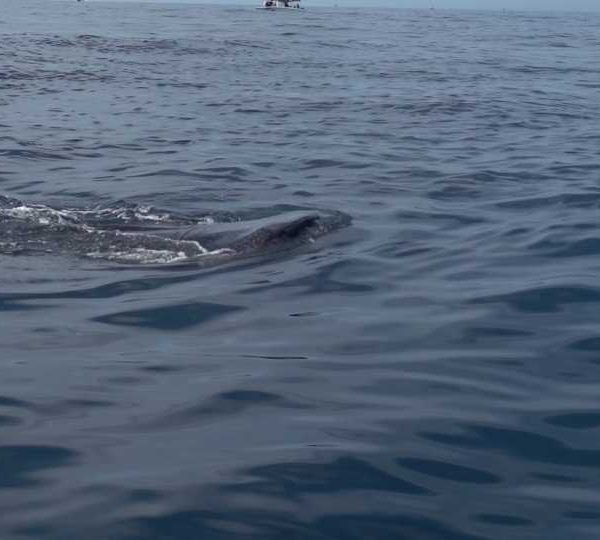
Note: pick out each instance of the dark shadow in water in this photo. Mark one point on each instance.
(503, 520)
(8, 417)
(385, 527)
(176, 317)
(449, 471)
(9, 305)
(544, 299)
(519, 444)
(273, 525)
(586, 345)
(223, 404)
(320, 281)
(297, 482)
(576, 420)
(110, 290)
(206, 525)
(6, 401)
(18, 463)
(8, 421)
(129, 286)
(346, 473)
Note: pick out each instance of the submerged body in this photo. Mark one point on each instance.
(263, 234)
(138, 234)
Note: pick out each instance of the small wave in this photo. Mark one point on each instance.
(568, 248)
(568, 200)
(544, 299)
(31, 154)
(112, 216)
(41, 215)
(78, 75)
(119, 45)
(246, 44)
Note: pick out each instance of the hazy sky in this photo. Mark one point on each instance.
(563, 5)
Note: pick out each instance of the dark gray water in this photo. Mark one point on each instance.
(431, 372)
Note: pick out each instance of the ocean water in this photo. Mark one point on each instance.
(430, 372)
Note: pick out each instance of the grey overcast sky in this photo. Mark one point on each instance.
(544, 5)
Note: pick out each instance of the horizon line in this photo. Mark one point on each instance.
(321, 4)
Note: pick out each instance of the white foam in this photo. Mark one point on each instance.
(171, 251)
(46, 215)
(141, 255)
(41, 214)
(154, 256)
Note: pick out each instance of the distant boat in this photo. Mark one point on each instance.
(272, 5)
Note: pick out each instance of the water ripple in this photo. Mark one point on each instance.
(431, 372)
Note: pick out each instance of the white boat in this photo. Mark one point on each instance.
(272, 5)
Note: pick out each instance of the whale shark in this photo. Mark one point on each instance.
(138, 234)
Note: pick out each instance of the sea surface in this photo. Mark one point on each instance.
(431, 372)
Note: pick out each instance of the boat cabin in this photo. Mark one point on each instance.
(278, 4)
